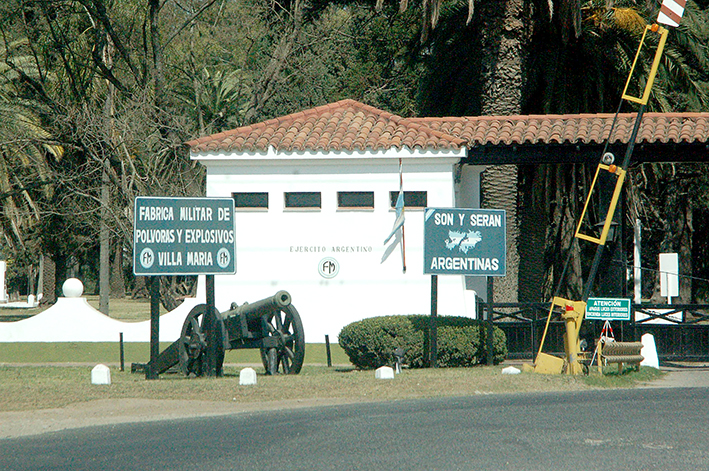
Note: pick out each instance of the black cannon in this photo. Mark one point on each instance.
(272, 325)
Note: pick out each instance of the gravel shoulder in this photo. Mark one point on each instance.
(116, 411)
(683, 376)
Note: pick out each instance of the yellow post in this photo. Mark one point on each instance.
(573, 317)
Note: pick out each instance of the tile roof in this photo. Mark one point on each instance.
(349, 125)
(344, 125)
(573, 129)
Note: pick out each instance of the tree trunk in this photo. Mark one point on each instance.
(499, 191)
(118, 284)
(104, 234)
(503, 39)
(104, 248)
(157, 70)
(140, 288)
(535, 183)
(49, 275)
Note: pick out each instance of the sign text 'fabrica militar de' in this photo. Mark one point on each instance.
(465, 242)
(184, 236)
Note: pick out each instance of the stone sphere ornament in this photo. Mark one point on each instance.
(73, 288)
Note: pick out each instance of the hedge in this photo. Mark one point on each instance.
(370, 343)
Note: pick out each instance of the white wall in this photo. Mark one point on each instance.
(271, 244)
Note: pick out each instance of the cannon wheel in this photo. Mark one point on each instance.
(193, 344)
(288, 357)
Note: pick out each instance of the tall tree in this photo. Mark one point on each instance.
(110, 109)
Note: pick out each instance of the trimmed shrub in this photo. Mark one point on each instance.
(459, 346)
(370, 343)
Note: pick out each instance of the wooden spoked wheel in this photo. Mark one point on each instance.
(288, 356)
(194, 342)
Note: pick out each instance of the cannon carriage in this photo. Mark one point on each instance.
(272, 325)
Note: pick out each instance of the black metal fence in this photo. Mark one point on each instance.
(681, 331)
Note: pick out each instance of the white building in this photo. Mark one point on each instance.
(314, 195)
(315, 190)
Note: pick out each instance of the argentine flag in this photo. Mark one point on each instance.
(399, 222)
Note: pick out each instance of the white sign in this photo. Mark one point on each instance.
(669, 276)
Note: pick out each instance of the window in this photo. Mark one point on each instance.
(412, 199)
(303, 199)
(355, 199)
(250, 200)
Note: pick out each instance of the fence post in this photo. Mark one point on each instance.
(327, 350)
(533, 330)
(121, 351)
(490, 315)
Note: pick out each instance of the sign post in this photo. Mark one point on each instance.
(182, 236)
(471, 242)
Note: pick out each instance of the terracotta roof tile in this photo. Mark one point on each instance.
(344, 125)
(349, 125)
(573, 129)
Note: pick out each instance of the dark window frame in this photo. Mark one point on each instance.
(351, 198)
(294, 200)
(250, 195)
(412, 199)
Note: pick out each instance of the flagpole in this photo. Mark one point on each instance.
(403, 237)
(403, 249)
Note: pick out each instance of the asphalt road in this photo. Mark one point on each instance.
(634, 429)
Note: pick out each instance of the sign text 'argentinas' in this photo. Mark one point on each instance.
(183, 236)
(465, 241)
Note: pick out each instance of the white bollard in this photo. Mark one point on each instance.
(649, 352)
(385, 372)
(100, 375)
(247, 377)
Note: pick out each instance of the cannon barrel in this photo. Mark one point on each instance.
(255, 310)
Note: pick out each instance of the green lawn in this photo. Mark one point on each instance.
(109, 353)
(132, 310)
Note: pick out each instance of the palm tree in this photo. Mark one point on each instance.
(25, 148)
(26, 151)
(502, 57)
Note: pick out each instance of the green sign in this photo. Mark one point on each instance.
(464, 242)
(608, 309)
(184, 236)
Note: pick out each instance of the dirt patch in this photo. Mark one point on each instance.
(683, 377)
(116, 411)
